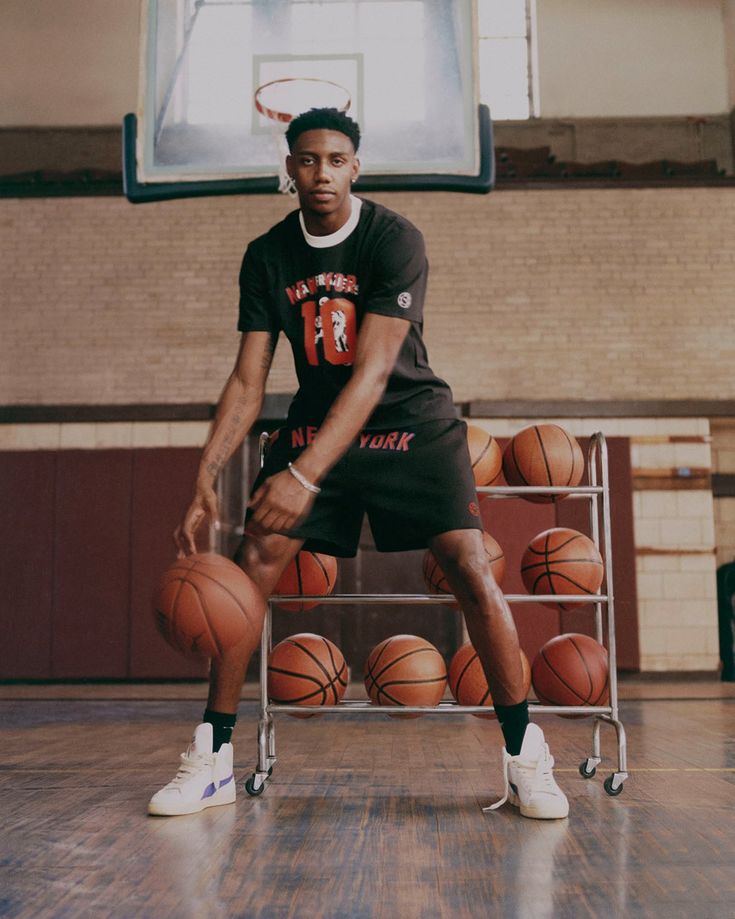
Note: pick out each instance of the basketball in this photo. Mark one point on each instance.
(485, 455)
(562, 561)
(543, 454)
(405, 670)
(306, 669)
(571, 669)
(437, 582)
(467, 678)
(205, 604)
(310, 574)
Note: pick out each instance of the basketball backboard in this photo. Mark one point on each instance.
(220, 79)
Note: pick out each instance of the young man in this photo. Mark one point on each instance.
(370, 430)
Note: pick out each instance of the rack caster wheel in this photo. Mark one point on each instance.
(251, 788)
(255, 784)
(585, 772)
(611, 787)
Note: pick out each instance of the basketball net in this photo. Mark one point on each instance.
(286, 185)
(280, 101)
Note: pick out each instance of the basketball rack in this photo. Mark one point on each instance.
(597, 493)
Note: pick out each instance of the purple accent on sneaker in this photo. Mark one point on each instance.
(209, 790)
(229, 778)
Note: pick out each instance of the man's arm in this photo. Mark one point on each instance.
(237, 410)
(282, 501)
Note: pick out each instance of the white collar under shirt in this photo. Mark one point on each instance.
(334, 239)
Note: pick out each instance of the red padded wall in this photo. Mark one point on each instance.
(90, 621)
(26, 568)
(86, 533)
(162, 486)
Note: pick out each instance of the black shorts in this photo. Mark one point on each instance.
(412, 483)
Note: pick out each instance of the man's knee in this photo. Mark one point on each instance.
(465, 564)
(264, 558)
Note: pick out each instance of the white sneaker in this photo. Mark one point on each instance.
(529, 781)
(204, 779)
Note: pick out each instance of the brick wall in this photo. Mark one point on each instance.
(596, 294)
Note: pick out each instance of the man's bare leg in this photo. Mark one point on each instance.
(206, 777)
(492, 631)
(263, 559)
(527, 763)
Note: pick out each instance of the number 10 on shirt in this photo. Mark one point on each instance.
(335, 324)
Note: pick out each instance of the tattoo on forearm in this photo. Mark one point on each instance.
(230, 436)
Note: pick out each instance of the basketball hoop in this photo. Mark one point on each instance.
(280, 101)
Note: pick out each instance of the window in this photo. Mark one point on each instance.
(507, 58)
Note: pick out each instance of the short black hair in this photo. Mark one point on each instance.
(329, 119)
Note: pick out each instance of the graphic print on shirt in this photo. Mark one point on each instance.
(330, 324)
(339, 328)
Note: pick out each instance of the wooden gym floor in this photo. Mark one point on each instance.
(364, 817)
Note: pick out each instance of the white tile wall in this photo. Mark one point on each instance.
(103, 435)
(114, 434)
(151, 434)
(30, 436)
(78, 436)
(188, 433)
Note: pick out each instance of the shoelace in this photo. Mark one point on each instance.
(190, 766)
(542, 778)
(506, 792)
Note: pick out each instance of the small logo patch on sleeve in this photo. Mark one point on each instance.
(474, 509)
(404, 300)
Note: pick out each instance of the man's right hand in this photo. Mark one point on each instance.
(203, 505)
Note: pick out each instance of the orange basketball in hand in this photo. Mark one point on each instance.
(205, 604)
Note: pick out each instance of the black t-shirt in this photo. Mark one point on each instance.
(317, 295)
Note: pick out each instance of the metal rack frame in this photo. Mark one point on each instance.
(598, 496)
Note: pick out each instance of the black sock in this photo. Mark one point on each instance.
(222, 725)
(513, 721)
